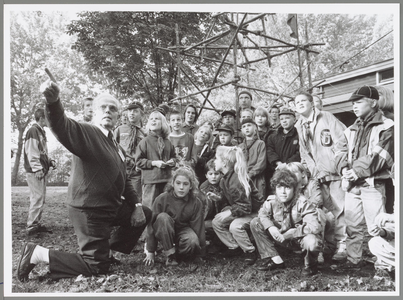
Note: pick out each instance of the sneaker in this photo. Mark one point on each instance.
(382, 274)
(42, 228)
(250, 257)
(309, 271)
(270, 266)
(233, 252)
(341, 253)
(321, 258)
(171, 260)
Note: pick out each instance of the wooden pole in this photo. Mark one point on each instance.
(179, 64)
(301, 82)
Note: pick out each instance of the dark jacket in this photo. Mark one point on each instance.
(235, 195)
(98, 177)
(283, 147)
(186, 212)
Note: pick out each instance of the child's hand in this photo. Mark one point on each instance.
(374, 230)
(289, 234)
(382, 218)
(212, 196)
(170, 163)
(158, 163)
(149, 260)
(275, 233)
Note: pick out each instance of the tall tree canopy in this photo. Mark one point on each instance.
(38, 40)
(123, 46)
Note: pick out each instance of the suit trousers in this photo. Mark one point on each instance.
(95, 238)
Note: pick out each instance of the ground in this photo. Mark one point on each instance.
(214, 274)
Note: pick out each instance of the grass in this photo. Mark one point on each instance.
(215, 275)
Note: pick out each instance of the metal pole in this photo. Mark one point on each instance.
(235, 50)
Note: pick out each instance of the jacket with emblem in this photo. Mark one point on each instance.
(372, 156)
(327, 131)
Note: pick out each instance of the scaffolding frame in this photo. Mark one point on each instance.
(210, 43)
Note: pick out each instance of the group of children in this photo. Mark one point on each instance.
(205, 179)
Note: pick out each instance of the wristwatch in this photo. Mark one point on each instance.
(138, 204)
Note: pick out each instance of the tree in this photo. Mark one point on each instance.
(38, 40)
(124, 47)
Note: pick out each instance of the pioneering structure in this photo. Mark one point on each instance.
(239, 37)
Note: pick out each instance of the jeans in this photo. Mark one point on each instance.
(232, 231)
(360, 211)
(265, 243)
(37, 189)
(173, 239)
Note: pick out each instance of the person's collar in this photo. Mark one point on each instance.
(41, 127)
(104, 131)
(310, 118)
(186, 198)
(177, 135)
(137, 124)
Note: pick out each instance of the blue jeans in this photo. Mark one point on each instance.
(37, 189)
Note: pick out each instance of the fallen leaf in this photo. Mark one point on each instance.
(153, 271)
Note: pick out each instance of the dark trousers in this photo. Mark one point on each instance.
(93, 229)
(185, 239)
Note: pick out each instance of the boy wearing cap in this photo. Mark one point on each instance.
(364, 159)
(254, 151)
(183, 142)
(225, 136)
(129, 136)
(319, 132)
(283, 145)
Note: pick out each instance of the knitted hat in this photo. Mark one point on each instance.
(247, 93)
(365, 91)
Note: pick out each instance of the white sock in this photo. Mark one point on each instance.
(277, 259)
(40, 254)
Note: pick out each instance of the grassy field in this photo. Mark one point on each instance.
(216, 274)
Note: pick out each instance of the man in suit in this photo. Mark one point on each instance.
(100, 194)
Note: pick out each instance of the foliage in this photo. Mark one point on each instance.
(215, 274)
(123, 46)
(63, 159)
(38, 40)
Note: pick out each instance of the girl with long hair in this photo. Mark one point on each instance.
(155, 156)
(243, 201)
(178, 220)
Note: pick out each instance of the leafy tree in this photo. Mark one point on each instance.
(38, 40)
(124, 47)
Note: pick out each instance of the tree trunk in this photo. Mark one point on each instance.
(17, 156)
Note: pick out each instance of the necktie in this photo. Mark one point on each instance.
(110, 136)
(287, 221)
